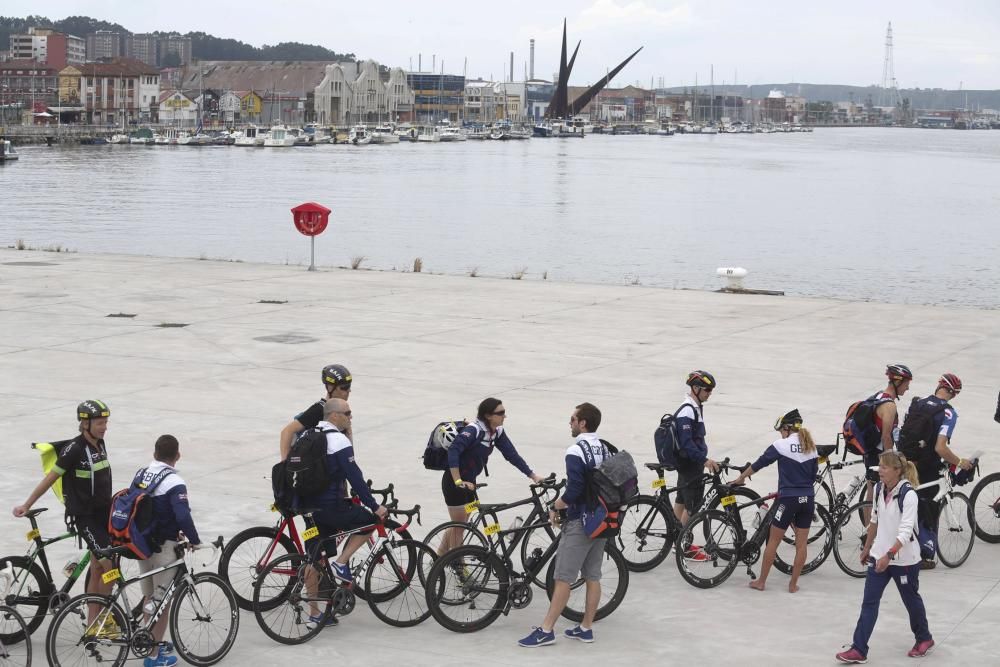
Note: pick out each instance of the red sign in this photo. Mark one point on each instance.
(310, 218)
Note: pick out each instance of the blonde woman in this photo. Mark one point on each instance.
(892, 553)
(798, 465)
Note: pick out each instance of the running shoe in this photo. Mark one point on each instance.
(342, 572)
(852, 656)
(695, 553)
(538, 637)
(586, 636)
(314, 621)
(920, 649)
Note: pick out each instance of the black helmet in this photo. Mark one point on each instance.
(898, 372)
(702, 379)
(92, 409)
(336, 375)
(793, 419)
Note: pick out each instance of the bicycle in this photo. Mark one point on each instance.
(394, 572)
(32, 590)
(470, 579)
(13, 652)
(955, 530)
(486, 515)
(649, 527)
(250, 550)
(985, 501)
(726, 542)
(97, 627)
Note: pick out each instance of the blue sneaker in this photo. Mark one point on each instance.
(160, 660)
(313, 621)
(342, 572)
(538, 637)
(586, 636)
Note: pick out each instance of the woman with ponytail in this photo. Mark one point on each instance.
(892, 554)
(798, 464)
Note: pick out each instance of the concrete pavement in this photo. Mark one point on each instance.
(424, 348)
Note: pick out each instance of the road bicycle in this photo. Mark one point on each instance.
(985, 501)
(714, 542)
(250, 550)
(470, 586)
(956, 529)
(290, 586)
(204, 618)
(32, 590)
(649, 527)
(15, 640)
(484, 515)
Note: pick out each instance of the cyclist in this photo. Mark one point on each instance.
(171, 519)
(337, 381)
(468, 456)
(925, 440)
(83, 465)
(693, 457)
(336, 512)
(891, 553)
(577, 553)
(798, 465)
(886, 419)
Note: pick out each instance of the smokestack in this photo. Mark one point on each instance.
(511, 66)
(434, 60)
(420, 62)
(531, 59)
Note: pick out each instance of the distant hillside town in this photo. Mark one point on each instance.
(109, 76)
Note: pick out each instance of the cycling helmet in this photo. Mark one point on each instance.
(92, 409)
(898, 372)
(793, 419)
(336, 375)
(702, 379)
(951, 382)
(445, 434)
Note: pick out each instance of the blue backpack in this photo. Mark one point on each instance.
(924, 534)
(667, 441)
(130, 523)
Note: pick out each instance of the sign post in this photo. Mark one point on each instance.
(311, 219)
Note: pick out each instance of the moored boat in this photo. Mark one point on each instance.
(7, 151)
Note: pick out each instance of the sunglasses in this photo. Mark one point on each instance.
(345, 413)
(499, 413)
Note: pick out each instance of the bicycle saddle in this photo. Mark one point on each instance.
(826, 450)
(31, 514)
(657, 467)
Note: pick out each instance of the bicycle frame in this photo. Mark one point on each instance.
(36, 552)
(538, 513)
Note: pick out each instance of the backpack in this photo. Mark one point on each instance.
(860, 433)
(667, 441)
(918, 435)
(609, 487)
(436, 451)
(130, 522)
(923, 533)
(304, 471)
(50, 451)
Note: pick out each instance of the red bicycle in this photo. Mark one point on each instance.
(250, 550)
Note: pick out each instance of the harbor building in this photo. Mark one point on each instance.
(121, 92)
(362, 92)
(437, 97)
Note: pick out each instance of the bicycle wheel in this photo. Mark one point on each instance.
(822, 493)
(74, 640)
(11, 654)
(467, 589)
(395, 583)
(28, 594)
(204, 619)
(986, 508)
(707, 564)
(614, 584)
(358, 557)
(286, 579)
(748, 513)
(819, 543)
(648, 530)
(849, 534)
(533, 544)
(246, 555)
(956, 530)
(470, 536)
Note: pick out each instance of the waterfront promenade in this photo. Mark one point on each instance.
(423, 348)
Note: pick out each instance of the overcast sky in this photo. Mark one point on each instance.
(937, 44)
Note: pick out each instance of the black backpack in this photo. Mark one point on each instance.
(305, 471)
(436, 450)
(918, 435)
(667, 441)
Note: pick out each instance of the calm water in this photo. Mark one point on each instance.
(888, 215)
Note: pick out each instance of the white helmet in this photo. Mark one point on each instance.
(445, 434)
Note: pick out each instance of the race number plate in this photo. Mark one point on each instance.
(111, 575)
(471, 507)
(491, 529)
(310, 533)
(823, 460)
(659, 483)
(32, 534)
(728, 500)
(273, 507)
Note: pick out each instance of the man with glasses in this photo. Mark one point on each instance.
(693, 457)
(925, 440)
(337, 381)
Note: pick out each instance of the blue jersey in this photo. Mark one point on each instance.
(797, 470)
(587, 453)
(472, 447)
(171, 511)
(691, 435)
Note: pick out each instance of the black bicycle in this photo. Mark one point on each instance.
(470, 586)
(714, 542)
(985, 501)
(649, 527)
(15, 644)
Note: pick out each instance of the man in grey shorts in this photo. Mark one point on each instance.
(577, 553)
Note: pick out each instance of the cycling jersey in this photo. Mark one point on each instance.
(171, 511)
(86, 475)
(586, 453)
(691, 432)
(311, 415)
(342, 467)
(797, 470)
(472, 447)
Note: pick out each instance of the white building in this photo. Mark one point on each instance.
(178, 109)
(355, 93)
(229, 107)
(480, 101)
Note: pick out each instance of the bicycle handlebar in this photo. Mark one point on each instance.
(409, 514)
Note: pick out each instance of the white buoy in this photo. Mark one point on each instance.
(734, 276)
